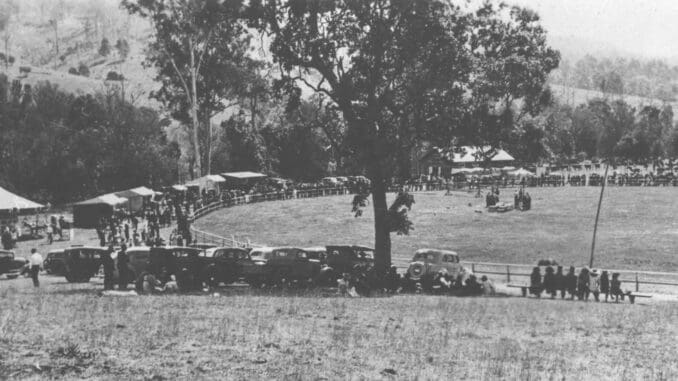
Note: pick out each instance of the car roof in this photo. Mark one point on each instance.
(77, 247)
(435, 251)
(227, 248)
(354, 247)
(138, 248)
(315, 248)
(55, 251)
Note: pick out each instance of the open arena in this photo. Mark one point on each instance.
(637, 228)
(68, 330)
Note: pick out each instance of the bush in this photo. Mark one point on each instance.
(73, 71)
(83, 70)
(113, 76)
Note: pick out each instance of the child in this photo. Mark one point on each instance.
(615, 288)
(571, 283)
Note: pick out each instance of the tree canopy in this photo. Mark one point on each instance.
(401, 71)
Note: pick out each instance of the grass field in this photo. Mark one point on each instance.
(67, 331)
(638, 228)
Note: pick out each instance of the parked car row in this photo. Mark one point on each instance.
(265, 266)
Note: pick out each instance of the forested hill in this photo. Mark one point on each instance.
(653, 78)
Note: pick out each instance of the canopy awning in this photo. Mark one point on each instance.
(243, 175)
(108, 199)
(215, 178)
(522, 172)
(10, 201)
(136, 192)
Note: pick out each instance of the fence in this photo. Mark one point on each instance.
(652, 281)
(517, 273)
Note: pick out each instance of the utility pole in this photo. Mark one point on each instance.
(595, 226)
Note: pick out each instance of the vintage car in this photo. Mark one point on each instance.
(11, 265)
(428, 262)
(186, 263)
(277, 265)
(138, 258)
(226, 265)
(55, 262)
(336, 260)
(83, 262)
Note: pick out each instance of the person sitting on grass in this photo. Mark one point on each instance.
(171, 286)
(487, 286)
(535, 282)
(342, 285)
(615, 288)
(550, 282)
(605, 284)
(472, 287)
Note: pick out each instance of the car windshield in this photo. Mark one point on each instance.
(289, 253)
(426, 257)
(260, 254)
(364, 253)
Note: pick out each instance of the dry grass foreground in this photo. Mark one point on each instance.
(637, 231)
(67, 331)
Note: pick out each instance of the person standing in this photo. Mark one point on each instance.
(550, 282)
(109, 267)
(536, 286)
(35, 262)
(605, 284)
(122, 268)
(583, 282)
(560, 281)
(571, 283)
(594, 284)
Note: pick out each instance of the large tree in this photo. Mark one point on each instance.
(198, 47)
(404, 70)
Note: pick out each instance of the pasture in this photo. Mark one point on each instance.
(67, 331)
(638, 228)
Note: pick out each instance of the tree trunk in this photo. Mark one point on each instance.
(194, 114)
(382, 234)
(208, 145)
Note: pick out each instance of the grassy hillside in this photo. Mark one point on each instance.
(67, 331)
(574, 97)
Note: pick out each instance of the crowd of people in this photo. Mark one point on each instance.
(588, 282)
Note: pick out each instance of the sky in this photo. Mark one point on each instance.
(648, 28)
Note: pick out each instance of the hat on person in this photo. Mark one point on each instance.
(594, 272)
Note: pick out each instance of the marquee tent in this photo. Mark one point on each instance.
(9, 201)
(135, 197)
(209, 182)
(520, 173)
(86, 214)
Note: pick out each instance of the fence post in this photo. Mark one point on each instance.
(508, 274)
(637, 283)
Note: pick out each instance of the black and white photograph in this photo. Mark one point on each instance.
(338, 190)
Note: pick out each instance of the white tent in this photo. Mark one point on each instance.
(522, 172)
(135, 197)
(9, 201)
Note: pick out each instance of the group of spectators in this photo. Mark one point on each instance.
(588, 282)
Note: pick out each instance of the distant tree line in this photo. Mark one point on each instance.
(599, 129)
(651, 78)
(60, 147)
